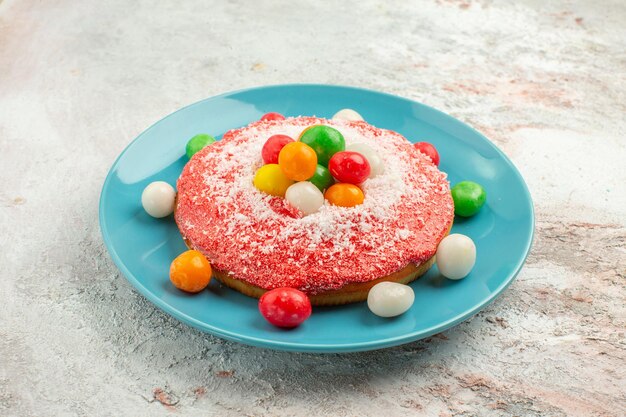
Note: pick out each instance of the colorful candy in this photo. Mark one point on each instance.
(348, 114)
(298, 161)
(305, 160)
(344, 195)
(349, 167)
(456, 256)
(428, 150)
(272, 148)
(469, 197)
(271, 180)
(285, 307)
(376, 162)
(390, 299)
(158, 199)
(322, 178)
(272, 116)
(190, 271)
(305, 196)
(325, 140)
(197, 143)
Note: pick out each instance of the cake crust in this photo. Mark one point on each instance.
(350, 293)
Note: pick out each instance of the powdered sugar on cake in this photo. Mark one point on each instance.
(262, 240)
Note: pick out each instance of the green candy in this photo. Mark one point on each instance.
(322, 178)
(197, 143)
(324, 140)
(468, 198)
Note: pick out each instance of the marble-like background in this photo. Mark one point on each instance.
(546, 81)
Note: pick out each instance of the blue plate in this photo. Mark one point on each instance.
(143, 247)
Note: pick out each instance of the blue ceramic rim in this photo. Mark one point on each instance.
(316, 348)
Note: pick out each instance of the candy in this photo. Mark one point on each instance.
(348, 114)
(158, 199)
(322, 178)
(272, 116)
(390, 299)
(285, 307)
(456, 256)
(197, 143)
(272, 148)
(428, 150)
(376, 163)
(271, 180)
(350, 167)
(325, 140)
(469, 197)
(298, 161)
(305, 196)
(344, 195)
(190, 271)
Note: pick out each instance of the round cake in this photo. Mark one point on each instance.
(257, 242)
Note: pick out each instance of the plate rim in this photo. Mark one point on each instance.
(317, 347)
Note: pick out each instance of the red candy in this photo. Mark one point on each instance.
(349, 167)
(273, 116)
(285, 307)
(428, 150)
(272, 148)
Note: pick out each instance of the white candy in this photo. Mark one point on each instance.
(158, 199)
(390, 299)
(456, 256)
(305, 196)
(348, 114)
(376, 163)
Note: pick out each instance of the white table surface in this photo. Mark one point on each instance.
(80, 79)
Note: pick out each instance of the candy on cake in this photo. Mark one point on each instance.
(263, 225)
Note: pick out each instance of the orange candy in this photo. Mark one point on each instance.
(298, 161)
(190, 271)
(344, 195)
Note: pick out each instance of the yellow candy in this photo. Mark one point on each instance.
(271, 180)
